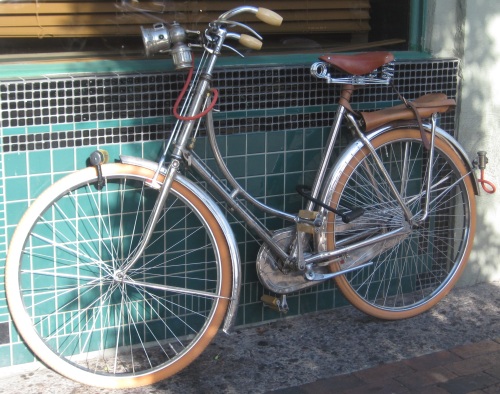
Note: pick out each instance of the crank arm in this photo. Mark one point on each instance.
(317, 276)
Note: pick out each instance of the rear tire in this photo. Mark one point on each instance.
(410, 277)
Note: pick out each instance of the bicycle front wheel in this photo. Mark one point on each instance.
(88, 317)
(408, 274)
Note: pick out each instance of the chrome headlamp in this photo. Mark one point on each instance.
(162, 38)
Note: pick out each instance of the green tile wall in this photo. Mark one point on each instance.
(273, 123)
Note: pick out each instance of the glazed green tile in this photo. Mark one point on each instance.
(237, 166)
(276, 202)
(113, 151)
(16, 188)
(309, 177)
(313, 139)
(253, 313)
(294, 202)
(13, 131)
(276, 141)
(256, 165)
(275, 185)
(15, 164)
(200, 146)
(82, 156)
(270, 313)
(250, 272)
(294, 110)
(62, 127)
(325, 300)
(38, 183)
(151, 150)
(240, 316)
(15, 211)
(275, 163)
(256, 143)
(252, 248)
(39, 162)
(221, 143)
(276, 224)
(21, 354)
(307, 303)
(239, 232)
(5, 359)
(236, 144)
(312, 159)
(256, 186)
(64, 159)
(39, 129)
(275, 112)
(293, 305)
(294, 140)
(148, 121)
(294, 161)
(291, 181)
(133, 149)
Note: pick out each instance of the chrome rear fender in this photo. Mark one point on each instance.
(357, 145)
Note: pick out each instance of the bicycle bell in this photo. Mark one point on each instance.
(162, 38)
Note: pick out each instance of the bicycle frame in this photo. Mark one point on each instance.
(178, 150)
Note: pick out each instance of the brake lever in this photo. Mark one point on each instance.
(234, 23)
(233, 49)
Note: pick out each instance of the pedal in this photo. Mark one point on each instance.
(278, 304)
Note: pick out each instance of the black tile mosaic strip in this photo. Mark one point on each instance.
(114, 97)
(90, 137)
(115, 135)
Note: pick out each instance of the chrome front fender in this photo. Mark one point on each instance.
(226, 228)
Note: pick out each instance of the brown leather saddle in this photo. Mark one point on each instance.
(365, 63)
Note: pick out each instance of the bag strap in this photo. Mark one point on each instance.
(413, 107)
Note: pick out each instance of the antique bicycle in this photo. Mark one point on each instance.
(120, 274)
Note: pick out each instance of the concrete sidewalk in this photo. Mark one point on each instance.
(454, 348)
(470, 368)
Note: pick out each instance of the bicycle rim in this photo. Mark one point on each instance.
(407, 275)
(88, 319)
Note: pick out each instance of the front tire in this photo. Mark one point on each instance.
(89, 319)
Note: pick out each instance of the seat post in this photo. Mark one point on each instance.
(345, 96)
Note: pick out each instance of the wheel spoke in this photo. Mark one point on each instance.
(410, 276)
(91, 320)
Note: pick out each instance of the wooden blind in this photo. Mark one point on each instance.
(71, 18)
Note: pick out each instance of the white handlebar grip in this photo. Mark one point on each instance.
(269, 17)
(250, 42)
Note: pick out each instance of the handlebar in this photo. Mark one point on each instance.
(264, 14)
(269, 17)
(173, 37)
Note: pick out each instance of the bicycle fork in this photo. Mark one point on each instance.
(155, 215)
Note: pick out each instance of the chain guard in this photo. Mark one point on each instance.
(268, 268)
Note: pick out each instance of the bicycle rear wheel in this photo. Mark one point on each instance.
(411, 273)
(85, 316)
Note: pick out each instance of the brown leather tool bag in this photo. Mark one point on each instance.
(422, 107)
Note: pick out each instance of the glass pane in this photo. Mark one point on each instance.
(112, 27)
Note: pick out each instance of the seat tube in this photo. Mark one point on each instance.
(327, 154)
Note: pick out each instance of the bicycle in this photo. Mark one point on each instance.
(120, 274)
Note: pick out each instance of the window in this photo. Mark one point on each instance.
(112, 27)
